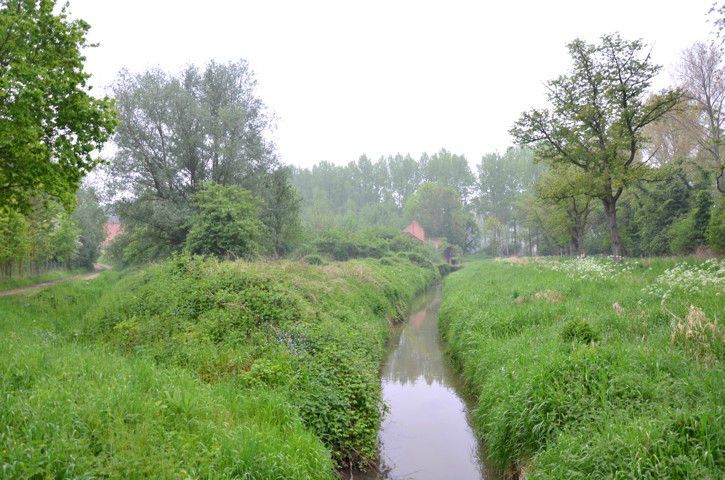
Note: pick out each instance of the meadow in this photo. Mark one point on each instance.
(585, 368)
(196, 368)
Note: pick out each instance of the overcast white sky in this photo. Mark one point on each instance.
(380, 77)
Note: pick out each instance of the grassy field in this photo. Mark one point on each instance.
(589, 369)
(191, 369)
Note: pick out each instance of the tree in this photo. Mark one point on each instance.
(225, 223)
(50, 125)
(281, 212)
(177, 133)
(439, 210)
(449, 169)
(90, 219)
(566, 187)
(501, 181)
(597, 118)
(703, 80)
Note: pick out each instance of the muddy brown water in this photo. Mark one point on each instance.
(426, 433)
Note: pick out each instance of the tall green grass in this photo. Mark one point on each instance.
(192, 368)
(570, 385)
(71, 409)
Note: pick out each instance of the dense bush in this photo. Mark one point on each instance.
(612, 396)
(716, 230)
(313, 335)
(341, 244)
(225, 223)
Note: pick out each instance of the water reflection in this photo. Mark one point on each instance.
(426, 433)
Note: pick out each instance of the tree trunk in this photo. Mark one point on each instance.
(580, 241)
(610, 209)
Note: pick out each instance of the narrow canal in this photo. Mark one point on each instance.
(426, 433)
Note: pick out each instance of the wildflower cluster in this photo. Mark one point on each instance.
(690, 278)
(590, 268)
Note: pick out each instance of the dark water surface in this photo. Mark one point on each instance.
(426, 433)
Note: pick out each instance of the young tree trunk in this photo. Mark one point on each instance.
(580, 241)
(610, 209)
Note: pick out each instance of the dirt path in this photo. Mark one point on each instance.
(97, 269)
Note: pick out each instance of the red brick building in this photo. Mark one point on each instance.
(416, 231)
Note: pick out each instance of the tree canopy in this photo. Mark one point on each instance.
(50, 125)
(597, 116)
(177, 133)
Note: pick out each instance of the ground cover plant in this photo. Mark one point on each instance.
(590, 369)
(200, 368)
(74, 409)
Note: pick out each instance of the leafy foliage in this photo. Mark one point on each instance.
(49, 123)
(598, 112)
(180, 132)
(49, 237)
(225, 223)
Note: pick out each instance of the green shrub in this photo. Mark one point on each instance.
(313, 259)
(578, 331)
(716, 229)
(446, 268)
(225, 223)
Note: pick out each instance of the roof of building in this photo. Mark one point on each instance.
(415, 231)
(112, 231)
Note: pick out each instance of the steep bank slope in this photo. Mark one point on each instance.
(199, 369)
(581, 370)
(314, 335)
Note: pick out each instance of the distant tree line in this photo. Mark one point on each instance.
(608, 168)
(435, 189)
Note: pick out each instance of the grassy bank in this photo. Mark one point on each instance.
(588, 369)
(194, 369)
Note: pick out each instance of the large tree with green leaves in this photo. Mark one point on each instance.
(181, 131)
(440, 211)
(597, 116)
(50, 125)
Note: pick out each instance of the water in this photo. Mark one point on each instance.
(426, 433)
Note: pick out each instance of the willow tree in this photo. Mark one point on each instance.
(596, 119)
